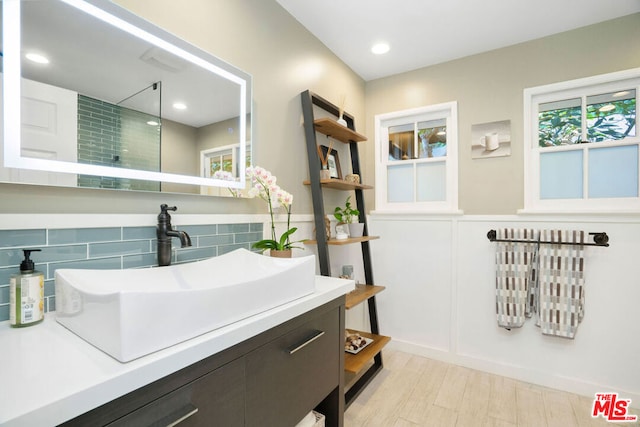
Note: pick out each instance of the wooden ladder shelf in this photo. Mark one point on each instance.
(362, 367)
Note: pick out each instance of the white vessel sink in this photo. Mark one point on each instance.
(131, 313)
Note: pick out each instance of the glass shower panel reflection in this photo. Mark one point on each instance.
(126, 135)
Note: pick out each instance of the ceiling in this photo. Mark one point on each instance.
(96, 59)
(428, 32)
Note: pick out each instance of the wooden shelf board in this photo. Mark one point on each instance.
(350, 378)
(361, 293)
(340, 184)
(348, 241)
(355, 362)
(332, 128)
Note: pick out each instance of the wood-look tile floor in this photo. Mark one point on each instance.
(416, 391)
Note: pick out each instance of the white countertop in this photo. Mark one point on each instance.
(49, 375)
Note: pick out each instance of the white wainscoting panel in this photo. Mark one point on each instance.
(413, 260)
(440, 280)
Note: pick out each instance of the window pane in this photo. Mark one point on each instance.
(432, 181)
(561, 175)
(611, 116)
(433, 139)
(559, 123)
(215, 164)
(613, 172)
(401, 142)
(400, 183)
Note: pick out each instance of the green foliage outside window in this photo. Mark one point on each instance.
(611, 120)
(560, 127)
(606, 121)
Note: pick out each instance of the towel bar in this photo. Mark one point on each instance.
(599, 239)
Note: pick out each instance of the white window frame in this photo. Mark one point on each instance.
(447, 111)
(579, 88)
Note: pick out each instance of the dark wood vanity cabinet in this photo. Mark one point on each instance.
(219, 396)
(272, 379)
(294, 373)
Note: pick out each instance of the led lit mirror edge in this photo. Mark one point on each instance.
(133, 24)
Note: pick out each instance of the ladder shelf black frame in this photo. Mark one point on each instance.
(309, 99)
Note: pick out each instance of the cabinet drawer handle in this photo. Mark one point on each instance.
(315, 336)
(192, 411)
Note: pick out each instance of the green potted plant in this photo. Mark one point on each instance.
(349, 215)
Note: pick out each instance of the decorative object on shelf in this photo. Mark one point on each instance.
(349, 216)
(324, 159)
(327, 227)
(264, 186)
(354, 342)
(353, 178)
(332, 161)
(342, 232)
(341, 119)
(325, 174)
(347, 272)
(356, 229)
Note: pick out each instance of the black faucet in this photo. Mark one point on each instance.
(165, 233)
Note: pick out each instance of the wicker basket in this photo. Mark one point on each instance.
(306, 422)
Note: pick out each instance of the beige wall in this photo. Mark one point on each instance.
(217, 135)
(489, 86)
(284, 60)
(178, 145)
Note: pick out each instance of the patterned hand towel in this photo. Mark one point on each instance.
(561, 282)
(515, 271)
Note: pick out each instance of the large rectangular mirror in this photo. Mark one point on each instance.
(94, 96)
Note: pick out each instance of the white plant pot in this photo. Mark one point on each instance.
(356, 229)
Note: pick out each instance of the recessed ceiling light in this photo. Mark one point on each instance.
(152, 123)
(37, 58)
(380, 48)
(180, 106)
(621, 93)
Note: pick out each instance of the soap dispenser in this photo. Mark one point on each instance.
(26, 290)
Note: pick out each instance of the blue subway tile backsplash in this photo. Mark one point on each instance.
(224, 239)
(233, 228)
(97, 250)
(248, 237)
(201, 230)
(78, 235)
(134, 233)
(193, 254)
(110, 248)
(4, 295)
(22, 238)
